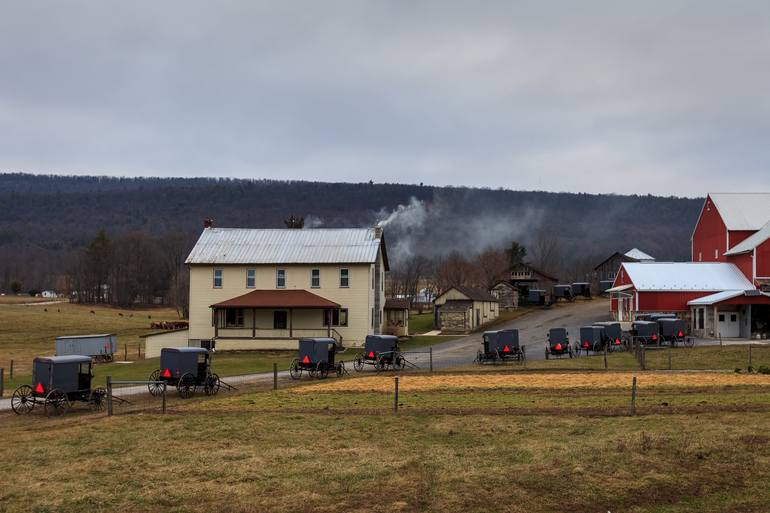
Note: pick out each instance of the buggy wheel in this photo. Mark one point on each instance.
(523, 357)
(340, 368)
(322, 371)
(212, 385)
(294, 371)
(689, 342)
(97, 399)
(186, 385)
(155, 388)
(22, 401)
(358, 363)
(597, 347)
(56, 403)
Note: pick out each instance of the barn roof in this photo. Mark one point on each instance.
(288, 246)
(743, 210)
(472, 293)
(751, 242)
(686, 276)
(638, 254)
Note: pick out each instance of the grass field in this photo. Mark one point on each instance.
(420, 323)
(243, 453)
(16, 300)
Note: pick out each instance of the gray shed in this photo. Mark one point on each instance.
(63, 372)
(99, 346)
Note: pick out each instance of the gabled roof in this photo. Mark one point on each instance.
(686, 276)
(396, 304)
(638, 254)
(278, 298)
(472, 293)
(716, 298)
(743, 210)
(751, 242)
(622, 257)
(288, 246)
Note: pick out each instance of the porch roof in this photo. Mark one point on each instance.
(277, 299)
(713, 299)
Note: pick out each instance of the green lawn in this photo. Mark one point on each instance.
(420, 323)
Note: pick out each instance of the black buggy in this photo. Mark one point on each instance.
(317, 358)
(563, 292)
(382, 352)
(672, 331)
(613, 332)
(500, 346)
(186, 368)
(592, 338)
(558, 343)
(646, 332)
(57, 382)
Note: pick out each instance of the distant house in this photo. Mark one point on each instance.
(605, 272)
(396, 317)
(463, 309)
(506, 294)
(49, 294)
(526, 277)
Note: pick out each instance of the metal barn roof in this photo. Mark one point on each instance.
(686, 276)
(743, 210)
(286, 246)
(638, 254)
(751, 242)
(716, 298)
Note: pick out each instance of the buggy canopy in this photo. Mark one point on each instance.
(317, 350)
(380, 344)
(557, 335)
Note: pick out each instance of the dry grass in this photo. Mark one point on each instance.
(29, 331)
(16, 300)
(566, 380)
(253, 461)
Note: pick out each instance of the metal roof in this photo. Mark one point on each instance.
(686, 276)
(743, 210)
(752, 242)
(286, 246)
(272, 298)
(73, 358)
(185, 349)
(86, 336)
(619, 288)
(716, 298)
(638, 254)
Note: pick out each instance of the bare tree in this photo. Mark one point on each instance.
(493, 266)
(547, 252)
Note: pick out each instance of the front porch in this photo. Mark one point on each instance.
(731, 314)
(276, 315)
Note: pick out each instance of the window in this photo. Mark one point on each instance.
(315, 278)
(338, 317)
(280, 318)
(372, 317)
(217, 278)
(344, 277)
(701, 322)
(234, 318)
(280, 278)
(733, 318)
(721, 317)
(251, 278)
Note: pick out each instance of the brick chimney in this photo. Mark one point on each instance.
(208, 223)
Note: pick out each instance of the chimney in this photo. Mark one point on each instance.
(208, 223)
(378, 231)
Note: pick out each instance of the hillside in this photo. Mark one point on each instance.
(48, 219)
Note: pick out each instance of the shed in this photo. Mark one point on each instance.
(506, 294)
(397, 317)
(462, 309)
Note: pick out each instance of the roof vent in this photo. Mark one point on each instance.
(208, 223)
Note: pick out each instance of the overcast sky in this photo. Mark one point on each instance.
(661, 97)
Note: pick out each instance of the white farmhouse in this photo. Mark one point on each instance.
(267, 288)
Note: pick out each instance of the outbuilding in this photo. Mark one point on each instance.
(463, 309)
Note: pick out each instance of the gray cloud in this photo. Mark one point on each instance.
(662, 97)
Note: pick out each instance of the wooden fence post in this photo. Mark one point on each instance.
(669, 356)
(2, 381)
(109, 396)
(125, 352)
(749, 355)
(163, 398)
(720, 341)
(275, 376)
(430, 350)
(605, 356)
(138, 351)
(633, 397)
(395, 396)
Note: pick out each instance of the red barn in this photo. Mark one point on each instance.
(723, 291)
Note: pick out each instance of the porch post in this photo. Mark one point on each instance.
(328, 314)
(291, 321)
(216, 323)
(253, 323)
